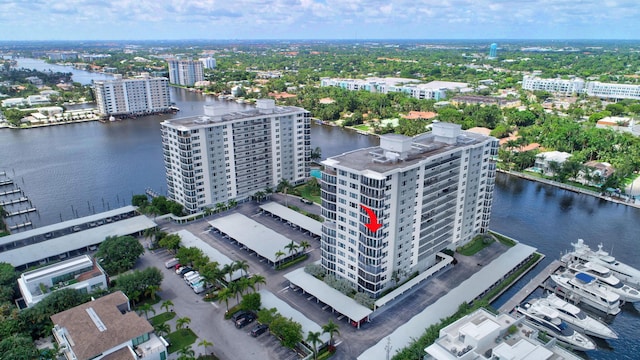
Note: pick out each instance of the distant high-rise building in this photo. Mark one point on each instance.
(493, 51)
(185, 72)
(426, 193)
(221, 156)
(136, 96)
(208, 62)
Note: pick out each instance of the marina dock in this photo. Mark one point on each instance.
(536, 282)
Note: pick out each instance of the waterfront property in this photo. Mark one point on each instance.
(482, 335)
(187, 239)
(390, 209)
(436, 90)
(59, 241)
(81, 273)
(185, 72)
(294, 218)
(106, 328)
(545, 160)
(141, 95)
(224, 156)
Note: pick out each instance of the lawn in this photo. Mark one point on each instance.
(474, 246)
(180, 339)
(161, 318)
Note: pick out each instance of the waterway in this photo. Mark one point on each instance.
(75, 170)
(81, 76)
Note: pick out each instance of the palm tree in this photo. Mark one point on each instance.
(186, 353)
(162, 329)
(224, 295)
(259, 195)
(234, 287)
(204, 343)
(182, 322)
(231, 203)
(242, 265)
(166, 305)
(220, 207)
(145, 308)
(279, 254)
(227, 269)
(258, 279)
(151, 291)
(304, 245)
(291, 247)
(331, 328)
(314, 339)
(243, 285)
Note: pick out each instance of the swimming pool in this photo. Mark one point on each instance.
(316, 173)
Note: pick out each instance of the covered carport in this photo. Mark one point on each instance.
(303, 222)
(335, 299)
(253, 235)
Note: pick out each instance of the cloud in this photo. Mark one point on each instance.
(285, 18)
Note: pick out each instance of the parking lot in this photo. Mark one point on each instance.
(207, 319)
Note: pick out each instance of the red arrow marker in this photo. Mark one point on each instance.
(373, 224)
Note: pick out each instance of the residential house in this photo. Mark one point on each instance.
(545, 159)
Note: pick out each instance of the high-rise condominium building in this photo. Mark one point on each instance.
(429, 193)
(185, 72)
(208, 62)
(136, 96)
(218, 157)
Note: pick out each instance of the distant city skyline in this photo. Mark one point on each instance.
(318, 19)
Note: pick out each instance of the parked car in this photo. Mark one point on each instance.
(245, 320)
(236, 315)
(171, 263)
(259, 330)
(306, 201)
(184, 270)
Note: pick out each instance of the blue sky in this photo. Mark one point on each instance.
(318, 19)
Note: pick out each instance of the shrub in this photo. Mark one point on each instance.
(315, 270)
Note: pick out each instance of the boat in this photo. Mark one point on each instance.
(583, 288)
(112, 118)
(605, 277)
(583, 253)
(576, 318)
(548, 320)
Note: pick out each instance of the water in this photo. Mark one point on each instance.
(81, 168)
(81, 76)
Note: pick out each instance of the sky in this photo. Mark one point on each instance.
(318, 19)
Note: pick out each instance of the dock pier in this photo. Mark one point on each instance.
(151, 193)
(535, 283)
(6, 182)
(21, 212)
(10, 192)
(14, 201)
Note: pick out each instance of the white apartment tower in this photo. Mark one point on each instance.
(185, 72)
(430, 192)
(208, 62)
(218, 157)
(136, 96)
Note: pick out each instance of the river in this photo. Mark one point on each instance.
(78, 169)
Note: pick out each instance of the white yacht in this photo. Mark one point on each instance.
(576, 318)
(605, 276)
(546, 319)
(584, 288)
(583, 253)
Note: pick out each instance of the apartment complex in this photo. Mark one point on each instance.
(435, 90)
(208, 62)
(106, 328)
(81, 273)
(429, 193)
(136, 96)
(185, 72)
(578, 86)
(219, 156)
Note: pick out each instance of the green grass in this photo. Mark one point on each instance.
(361, 127)
(477, 244)
(292, 262)
(180, 339)
(161, 318)
(503, 239)
(149, 301)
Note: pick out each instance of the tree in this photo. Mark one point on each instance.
(224, 295)
(257, 279)
(291, 247)
(211, 272)
(8, 277)
(304, 245)
(186, 353)
(166, 305)
(204, 343)
(279, 254)
(316, 154)
(182, 322)
(146, 308)
(18, 347)
(118, 254)
(162, 329)
(251, 302)
(331, 328)
(139, 200)
(289, 331)
(266, 316)
(313, 337)
(151, 291)
(242, 265)
(170, 242)
(135, 284)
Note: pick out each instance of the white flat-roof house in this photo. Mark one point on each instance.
(81, 273)
(106, 328)
(544, 160)
(482, 335)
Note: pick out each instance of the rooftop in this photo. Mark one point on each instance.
(100, 325)
(187, 239)
(303, 221)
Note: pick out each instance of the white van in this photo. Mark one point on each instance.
(171, 263)
(195, 280)
(192, 276)
(199, 287)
